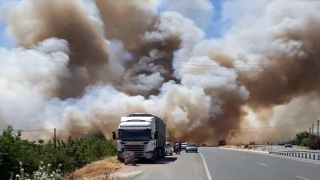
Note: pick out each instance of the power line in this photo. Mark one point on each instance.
(270, 127)
(70, 132)
(247, 67)
(39, 130)
(244, 128)
(29, 130)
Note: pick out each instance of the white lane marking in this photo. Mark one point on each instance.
(263, 164)
(206, 167)
(279, 156)
(242, 157)
(300, 177)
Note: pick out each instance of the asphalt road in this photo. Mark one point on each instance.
(225, 164)
(186, 166)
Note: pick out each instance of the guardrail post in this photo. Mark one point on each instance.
(301, 154)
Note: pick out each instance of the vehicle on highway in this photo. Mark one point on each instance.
(169, 149)
(222, 142)
(192, 147)
(143, 134)
(184, 145)
(287, 145)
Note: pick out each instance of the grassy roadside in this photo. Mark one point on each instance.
(51, 160)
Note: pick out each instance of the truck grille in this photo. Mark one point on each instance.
(137, 149)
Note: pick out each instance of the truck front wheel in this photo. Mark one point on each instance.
(162, 153)
(120, 159)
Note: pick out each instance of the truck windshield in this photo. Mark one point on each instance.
(135, 135)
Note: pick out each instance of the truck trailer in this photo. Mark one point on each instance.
(143, 134)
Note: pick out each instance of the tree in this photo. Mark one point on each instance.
(302, 138)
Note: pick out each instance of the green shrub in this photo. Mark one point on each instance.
(70, 154)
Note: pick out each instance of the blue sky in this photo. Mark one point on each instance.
(218, 26)
(215, 29)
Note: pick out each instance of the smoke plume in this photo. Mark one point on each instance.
(80, 65)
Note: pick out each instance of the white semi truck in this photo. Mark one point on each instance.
(144, 134)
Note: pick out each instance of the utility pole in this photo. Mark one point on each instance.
(309, 131)
(55, 138)
(312, 129)
(318, 124)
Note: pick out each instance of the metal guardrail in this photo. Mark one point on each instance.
(314, 155)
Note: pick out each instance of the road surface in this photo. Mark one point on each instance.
(225, 164)
(186, 166)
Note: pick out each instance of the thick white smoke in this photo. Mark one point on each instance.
(83, 72)
(28, 79)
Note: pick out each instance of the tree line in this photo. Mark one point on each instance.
(307, 140)
(66, 155)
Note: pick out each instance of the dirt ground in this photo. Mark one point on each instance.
(102, 169)
(108, 169)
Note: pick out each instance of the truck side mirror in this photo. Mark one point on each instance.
(114, 135)
(156, 135)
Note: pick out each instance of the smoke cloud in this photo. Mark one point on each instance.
(81, 65)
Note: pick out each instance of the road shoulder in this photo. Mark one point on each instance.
(186, 166)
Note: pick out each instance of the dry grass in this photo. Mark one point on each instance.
(250, 147)
(234, 146)
(98, 170)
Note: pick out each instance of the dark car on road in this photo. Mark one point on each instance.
(287, 145)
(192, 147)
(222, 142)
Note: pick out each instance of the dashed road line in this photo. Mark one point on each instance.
(263, 164)
(300, 177)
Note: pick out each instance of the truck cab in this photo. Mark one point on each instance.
(143, 134)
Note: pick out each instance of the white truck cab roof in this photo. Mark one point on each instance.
(136, 119)
(136, 123)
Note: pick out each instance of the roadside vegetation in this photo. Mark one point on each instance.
(307, 140)
(24, 158)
